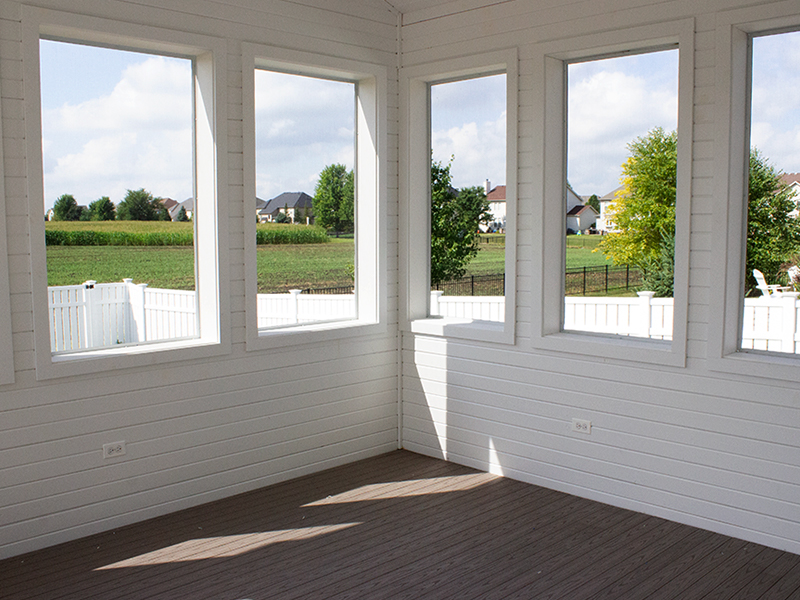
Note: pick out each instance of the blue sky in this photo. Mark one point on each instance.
(115, 120)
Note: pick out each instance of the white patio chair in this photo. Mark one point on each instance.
(768, 290)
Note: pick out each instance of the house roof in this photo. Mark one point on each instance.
(168, 203)
(497, 194)
(579, 210)
(791, 178)
(288, 200)
(260, 203)
(610, 195)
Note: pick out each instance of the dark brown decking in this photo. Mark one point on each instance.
(403, 526)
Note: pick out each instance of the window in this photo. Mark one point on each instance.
(622, 118)
(605, 98)
(468, 198)
(312, 145)
(305, 199)
(747, 39)
(772, 254)
(460, 136)
(130, 128)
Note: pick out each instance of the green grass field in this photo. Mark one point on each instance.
(280, 267)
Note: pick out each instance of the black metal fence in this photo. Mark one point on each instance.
(578, 281)
(343, 289)
(474, 285)
(599, 280)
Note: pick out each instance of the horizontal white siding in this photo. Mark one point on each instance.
(201, 429)
(713, 450)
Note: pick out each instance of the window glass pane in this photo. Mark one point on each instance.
(772, 268)
(118, 180)
(468, 198)
(620, 195)
(305, 199)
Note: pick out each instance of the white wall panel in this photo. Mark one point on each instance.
(204, 428)
(719, 451)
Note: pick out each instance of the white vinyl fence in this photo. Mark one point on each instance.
(101, 315)
(275, 310)
(93, 315)
(769, 323)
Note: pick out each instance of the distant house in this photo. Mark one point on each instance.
(581, 217)
(793, 181)
(604, 222)
(260, 205)
(296, 205)
(187, 204)
(497, 207)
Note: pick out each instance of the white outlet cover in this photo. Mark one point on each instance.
(582, 426)
(114, 449)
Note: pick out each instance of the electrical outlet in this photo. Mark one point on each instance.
(114, 449)
(582, 426)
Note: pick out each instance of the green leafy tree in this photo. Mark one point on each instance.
(455, 217)
(334, 199)
(282, 217)
(66, 208)
(644, 214)
(643, 211)
(594, 202)
(102, 209)
(182, 216)
(139, 205)
(658, 273)
(773, 236)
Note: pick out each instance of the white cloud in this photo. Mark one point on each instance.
(611, 103)
(303, 124)
(479, 151)
(139, 135)
(775, 113)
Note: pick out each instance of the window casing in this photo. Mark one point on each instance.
(370, 151)
(209, 140)
(415, 175)
(7, 349)
(549, 214)
(734, 32)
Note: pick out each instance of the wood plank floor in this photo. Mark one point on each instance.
(403, 526)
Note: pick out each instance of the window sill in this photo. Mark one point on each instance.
(280, 337)
(108, 359)
(482, 331)
(607, 346)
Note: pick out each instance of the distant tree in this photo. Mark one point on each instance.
(334, 198)
(66, 208)
(162, 212)
(102, 209)
(139, 205)
(182, 216)
(658, 273)
(773, 236)
(643, 211)
(282, 217)
(594, 202)
(455, 217)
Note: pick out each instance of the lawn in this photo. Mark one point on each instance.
(280, 267)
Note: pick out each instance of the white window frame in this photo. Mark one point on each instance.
(548, 252)
(6, 349)
(210, 156)
(415, 193)
(734, 30)
(370, 193)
